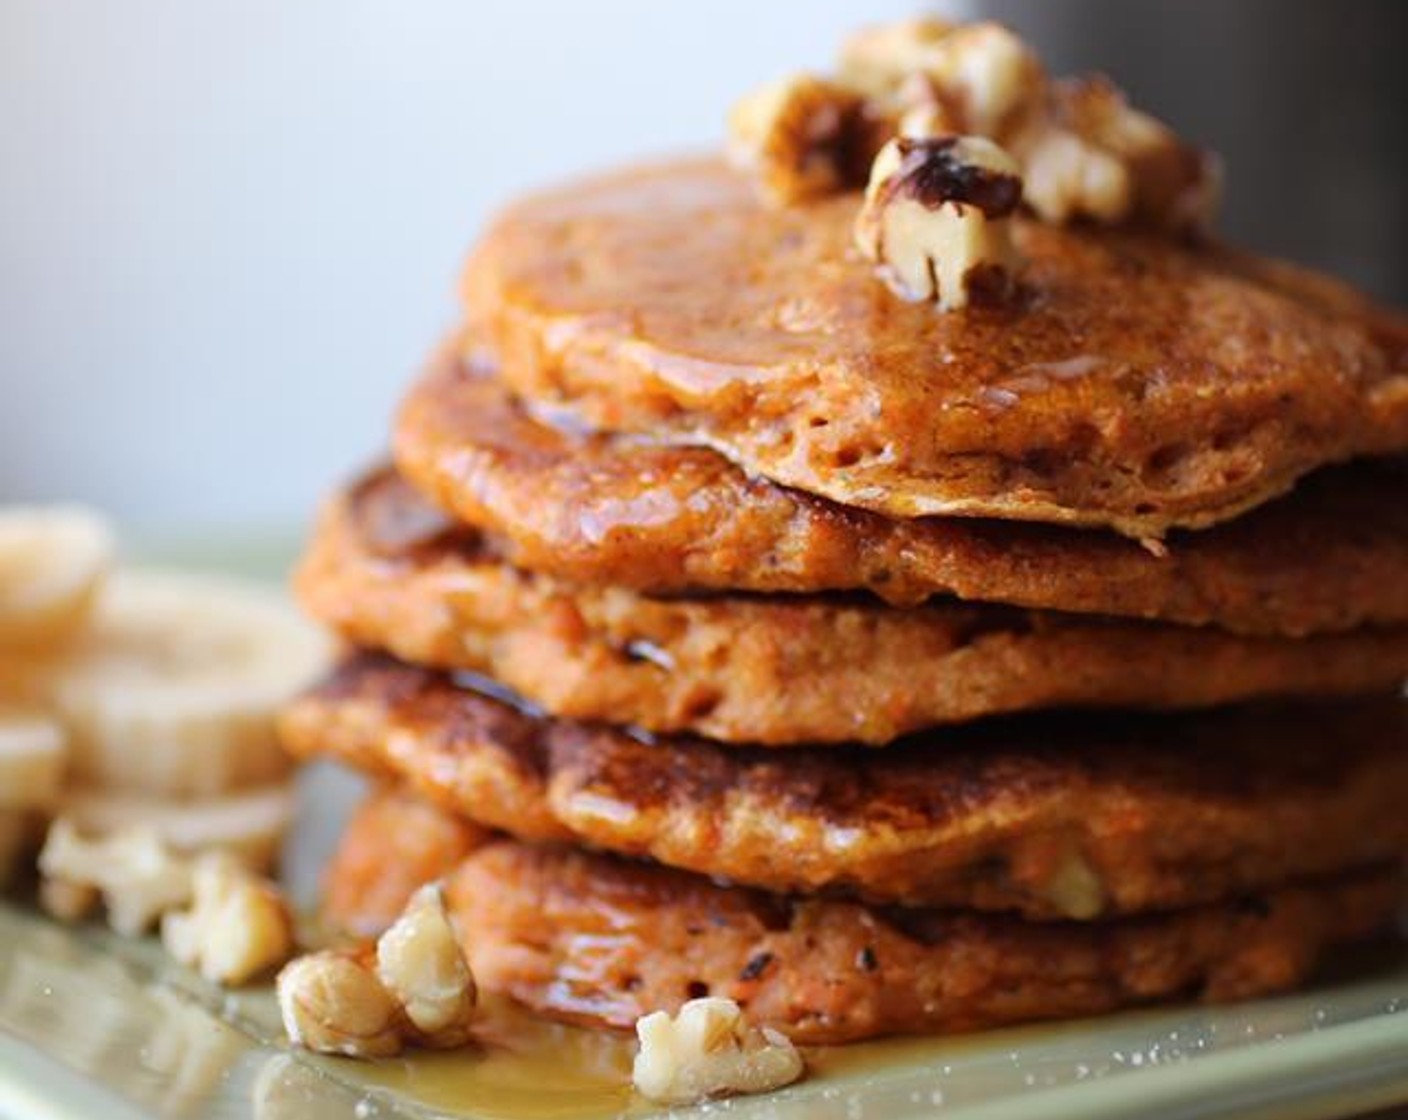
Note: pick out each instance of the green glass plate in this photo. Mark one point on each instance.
(91, 1026)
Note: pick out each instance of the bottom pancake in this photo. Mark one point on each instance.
(601, 940)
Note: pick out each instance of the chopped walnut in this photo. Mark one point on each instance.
(977, 78)
(1094, 156)
(1075, 888)
(1083, 151)
(136, 874)
(419, 960)
(415, 988)
(1068, 177)
(1171, 183)
(708, 1050)
(925, 117)
(935, 218)
(987, 79)
(877, 59)
(334, 1004)
(238, 926)
(803, 137)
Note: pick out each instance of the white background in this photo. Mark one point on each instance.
(229, 229)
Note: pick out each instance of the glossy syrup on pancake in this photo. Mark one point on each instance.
(599, 509)
(1142, 384)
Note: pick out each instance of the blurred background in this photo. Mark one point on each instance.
(230, 229)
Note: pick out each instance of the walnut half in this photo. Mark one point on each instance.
(414, 988)
(1085, 153)
(137, 876)
(708, 1050)
(334, 1004)
(804, 137)
(237, 927)
(420, 962)
(979, 78)
(936, 218)
(1075, 888)
(1171, 183)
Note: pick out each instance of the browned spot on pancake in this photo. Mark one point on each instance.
(1162, 813)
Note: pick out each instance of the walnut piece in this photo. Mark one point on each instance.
(1067, 177)
(414, 988)
(803, 137)
(1075, 888)
(237, 927)
(877, 59)
(935, 218)
(1171, 183)
(1085, 153)
(334, 1004)
(237, 924)
(708, 1050)
(420, 962)
(979, 78)
(137, 876)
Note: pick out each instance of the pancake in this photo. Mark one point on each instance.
(603, 941)
(394, 843)
(1057, 817)
(388, 572)
(608, 510)
(1138, 383)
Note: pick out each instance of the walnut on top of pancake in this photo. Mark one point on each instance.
(935, 218)
(912, 100)
(806, 137)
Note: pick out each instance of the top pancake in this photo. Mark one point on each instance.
(1136, 383)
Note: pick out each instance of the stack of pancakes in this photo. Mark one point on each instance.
(729, 626)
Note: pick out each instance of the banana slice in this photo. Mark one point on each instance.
(249, 825)
(171, 691)
(33, 755)
(52, 562)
